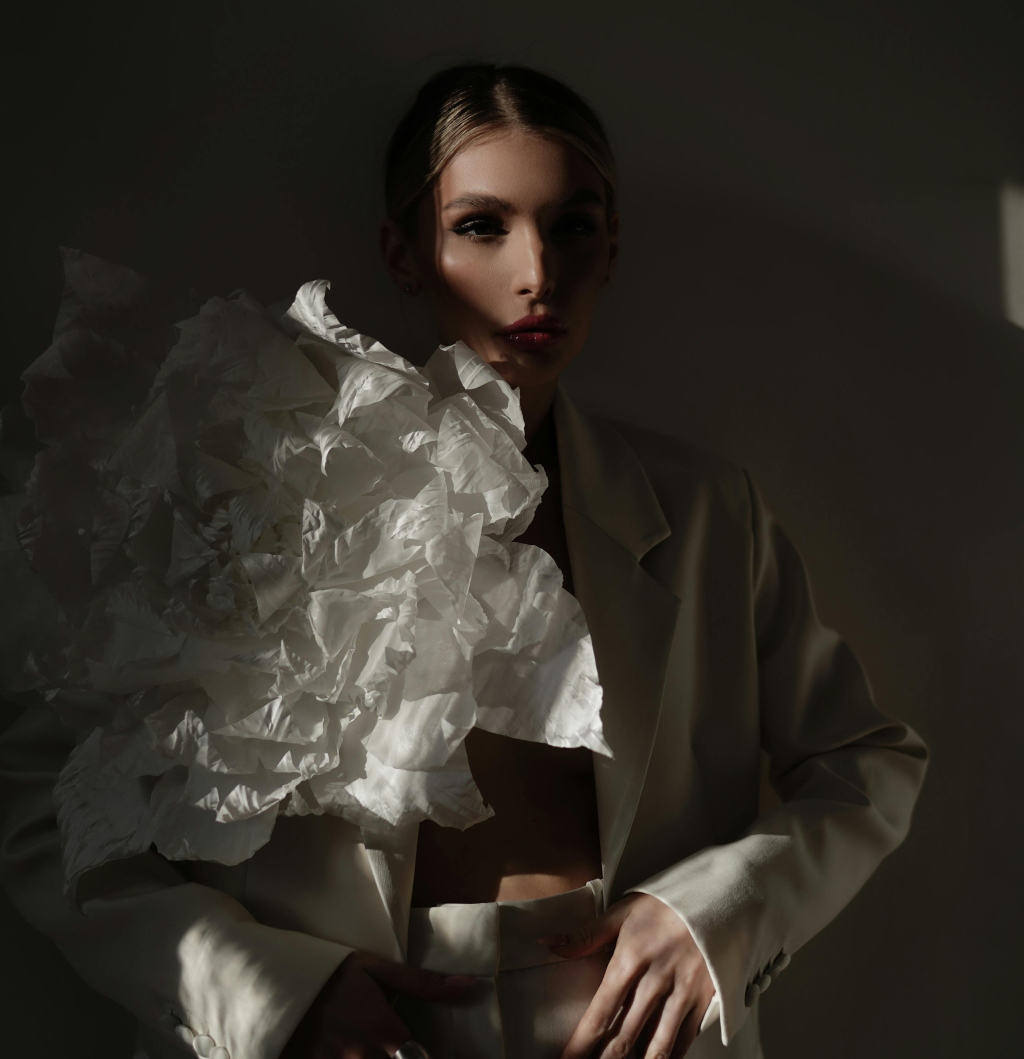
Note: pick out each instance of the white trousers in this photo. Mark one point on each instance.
(526, 1002)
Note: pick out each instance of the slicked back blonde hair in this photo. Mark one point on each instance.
(463, 104)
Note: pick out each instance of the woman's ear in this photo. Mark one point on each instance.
(613, 245)
(398, 257)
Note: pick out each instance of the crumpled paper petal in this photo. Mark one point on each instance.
(299, 590)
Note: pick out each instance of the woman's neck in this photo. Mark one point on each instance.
(536, 402)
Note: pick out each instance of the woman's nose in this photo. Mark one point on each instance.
(534, 266)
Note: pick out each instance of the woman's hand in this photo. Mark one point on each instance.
(656, 976)
(352, 1018)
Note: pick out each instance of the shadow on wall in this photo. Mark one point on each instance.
(883, 423)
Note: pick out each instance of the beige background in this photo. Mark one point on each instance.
(809, 283)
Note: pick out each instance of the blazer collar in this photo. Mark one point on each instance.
(603, 479)
(612, 518)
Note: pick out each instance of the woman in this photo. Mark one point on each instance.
(612, 906)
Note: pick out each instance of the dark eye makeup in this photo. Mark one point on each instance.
(575, 224)
(487, 226)
(480, 227)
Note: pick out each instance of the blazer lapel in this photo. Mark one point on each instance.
(392, 859)
(612, 519)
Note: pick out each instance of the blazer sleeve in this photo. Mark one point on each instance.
(185, 959)
(848, 777)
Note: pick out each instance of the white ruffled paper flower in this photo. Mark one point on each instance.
(315, 596)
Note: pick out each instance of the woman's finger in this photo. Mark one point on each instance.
(599, 1018)
(646, 999)
(590, 937)
(666, 1035)
(687, 1033)
(417, 982)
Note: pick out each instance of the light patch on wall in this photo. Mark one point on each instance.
(1011, 228)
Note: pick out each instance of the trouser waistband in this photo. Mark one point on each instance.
(485, 939)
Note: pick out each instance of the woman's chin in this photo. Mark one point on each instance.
(527, 368)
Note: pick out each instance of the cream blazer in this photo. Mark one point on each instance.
(709, 651)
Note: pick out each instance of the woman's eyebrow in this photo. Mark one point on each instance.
(479, 202)
(583, 197)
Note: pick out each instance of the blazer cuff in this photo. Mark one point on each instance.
(716, 894)
(192, 963)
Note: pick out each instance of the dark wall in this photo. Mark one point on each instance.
(809, 284)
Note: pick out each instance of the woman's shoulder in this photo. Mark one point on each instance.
(683, 474)
(666, 455)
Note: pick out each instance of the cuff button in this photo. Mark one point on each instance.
(203, 1045)
(219, 1053)
(751, 994)
(763, 982)
(184, 1034)
(782, 962)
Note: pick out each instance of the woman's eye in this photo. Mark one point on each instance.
(576, 224)
(480, 228)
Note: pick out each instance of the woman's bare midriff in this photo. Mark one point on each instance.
(542, 839)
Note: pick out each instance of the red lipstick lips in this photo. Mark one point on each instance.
(533, 332)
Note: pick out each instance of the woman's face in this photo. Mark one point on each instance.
(512, 249)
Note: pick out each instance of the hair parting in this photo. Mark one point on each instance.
(465, 103)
